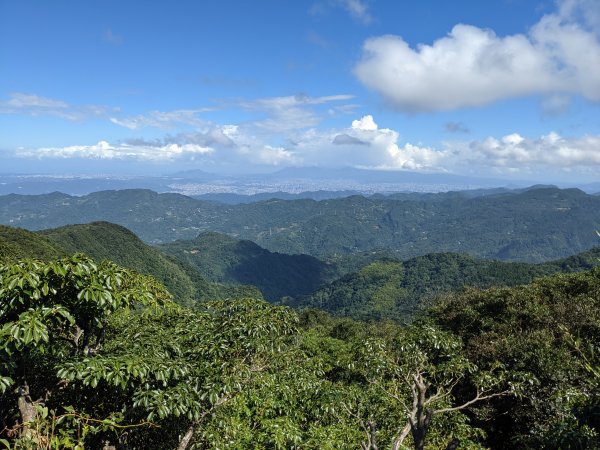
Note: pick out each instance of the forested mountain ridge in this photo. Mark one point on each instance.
(17, 244)
(393, 289)
(315, 283)
(364, 286)
(533, 225)
(107, 241)
(224, 259)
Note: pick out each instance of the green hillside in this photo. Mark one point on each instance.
(393, 289)
(534, 225)
(103, 240)
(221, 258)
(16, 244)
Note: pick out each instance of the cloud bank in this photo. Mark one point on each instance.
(107, 151)
(361, 144)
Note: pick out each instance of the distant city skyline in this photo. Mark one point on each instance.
(504, 90)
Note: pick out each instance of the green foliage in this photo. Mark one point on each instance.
(502, 368)
(179, 365)
(223, 259)
(391, 289)
(529, 328)
(420, 370)
(51, 311)
(106, 241)
(17, 244)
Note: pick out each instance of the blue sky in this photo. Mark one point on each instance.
(505, 89)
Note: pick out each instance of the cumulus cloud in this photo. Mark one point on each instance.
(276, 156)
(36, 105)
(472, 66)
(552, 150)
(362, 143)
(366, 123)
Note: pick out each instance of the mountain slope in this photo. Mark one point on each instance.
(224, 259)
(16, 244)
(394, 289)
(103, 240)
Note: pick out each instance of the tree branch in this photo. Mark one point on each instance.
(479, 397)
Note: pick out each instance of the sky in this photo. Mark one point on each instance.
(504, 89)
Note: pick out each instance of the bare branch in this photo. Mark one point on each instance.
(400, 439)
(478, 398)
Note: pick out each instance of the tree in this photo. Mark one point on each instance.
(421, 371)
(50, 311)
(528, 328)
(179, 367)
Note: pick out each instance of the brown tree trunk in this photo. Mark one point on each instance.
(187, 437)
(27, 408)
(420, 428)
(422, 416)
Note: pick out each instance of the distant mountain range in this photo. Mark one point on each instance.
(279, 184)
(531, 225)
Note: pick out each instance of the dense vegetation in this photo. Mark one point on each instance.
(534, 225)
(96, 353)
(221, 258)
(82, 365)
(363, 286)
(392, 289)
(16, 244)
(106, 241)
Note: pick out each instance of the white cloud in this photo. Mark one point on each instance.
(163, 119)
(361, 144)
(21, 100)
(472, 66)
(36, 105)
(105, 150)
(528, 155)
(291, 112)
(359, 10)
(587, 11)
(276, 156)
(366, 123)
